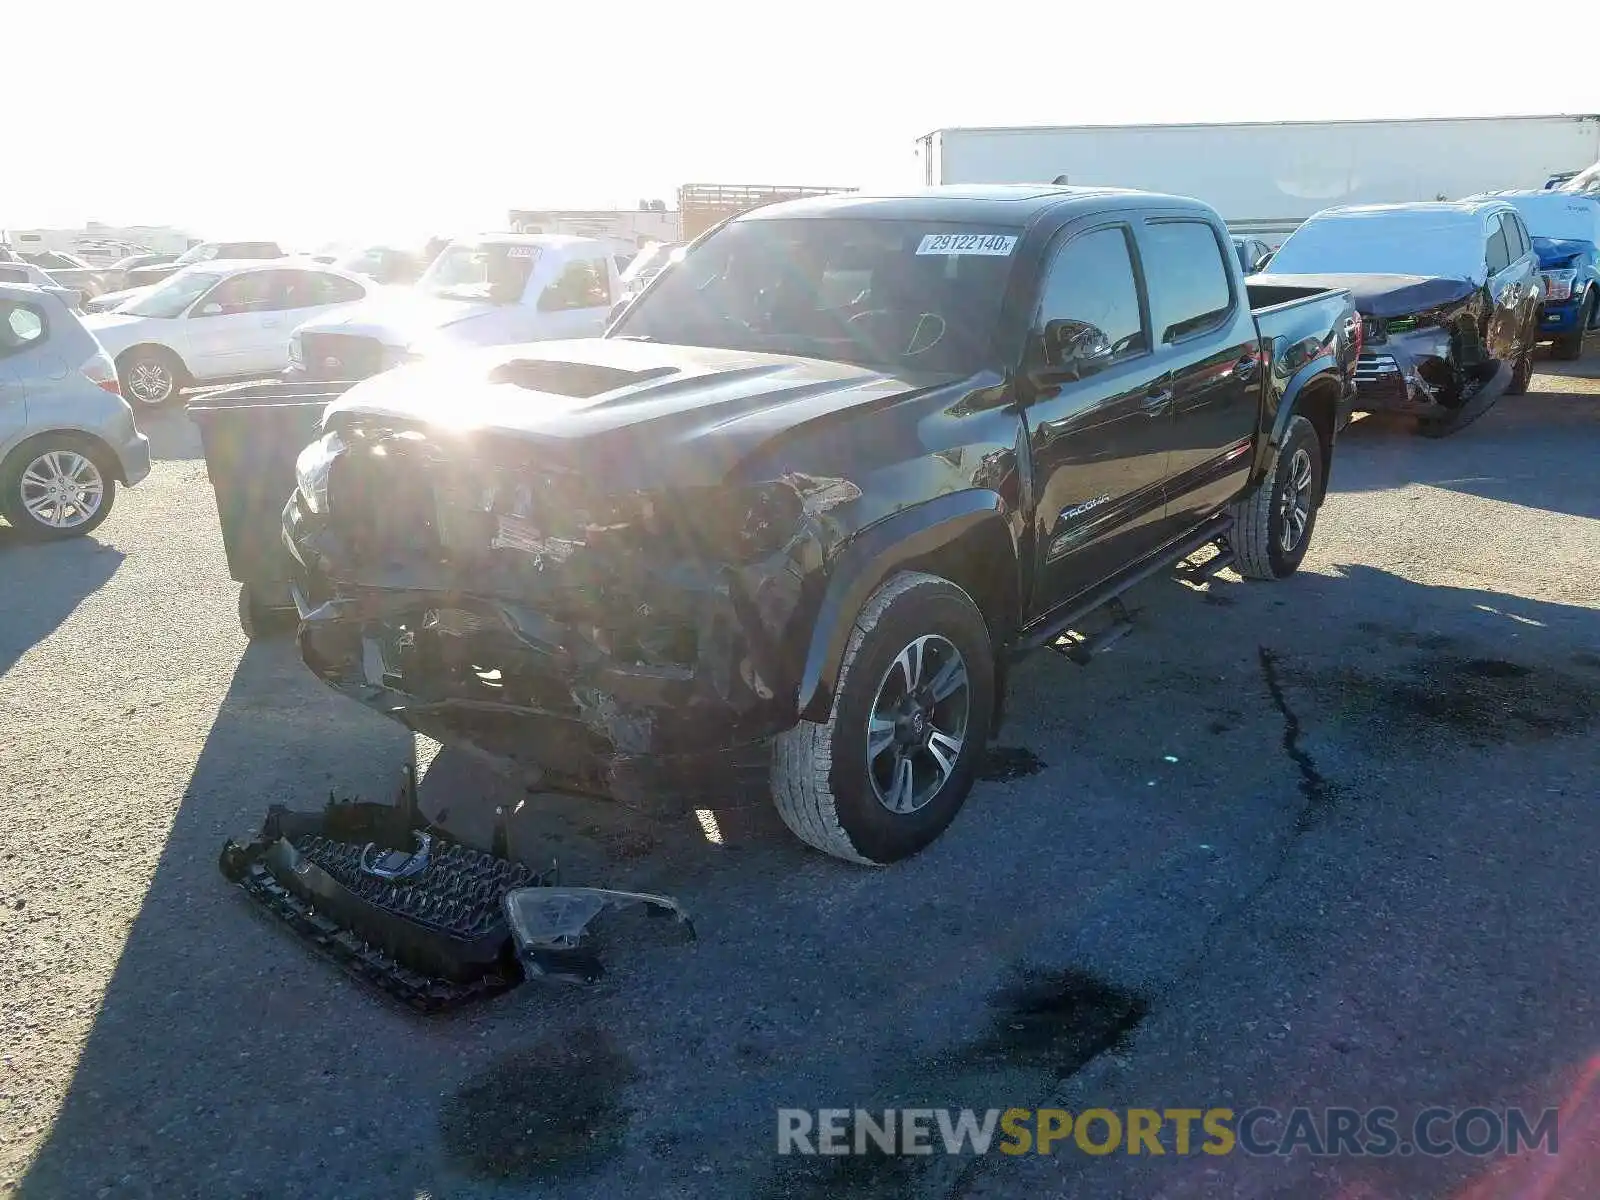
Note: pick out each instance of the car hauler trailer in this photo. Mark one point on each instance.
(1267, 177)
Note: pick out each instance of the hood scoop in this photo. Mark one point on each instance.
(578, 380)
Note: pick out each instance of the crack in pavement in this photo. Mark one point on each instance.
(1319, 794)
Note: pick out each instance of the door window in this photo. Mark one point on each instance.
(21, 326)
(1498, 252)
(1516, 235)
(1092, 280)
(251, 292)
(313, 289)
(1187, 276)
(13, 275)
(584, 283)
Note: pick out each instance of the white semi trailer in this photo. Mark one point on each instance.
(1268, 177)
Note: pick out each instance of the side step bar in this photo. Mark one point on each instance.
(1060, 632)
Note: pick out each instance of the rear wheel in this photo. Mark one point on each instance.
(56, 486)
(1272, 526)
(1521, 375)
(893, 764)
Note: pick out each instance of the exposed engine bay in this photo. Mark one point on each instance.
(540, 617)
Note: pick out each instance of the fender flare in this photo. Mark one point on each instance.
(1324, 365)
(866, 560)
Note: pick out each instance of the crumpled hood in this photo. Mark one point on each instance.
(646, 414)
(400, 317)
(1559, 252)
(1383, 295)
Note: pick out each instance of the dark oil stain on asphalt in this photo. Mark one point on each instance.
(547, 1111)
(1480, 701)
(1055, 1021)
(1585, 659)
(1003, 763)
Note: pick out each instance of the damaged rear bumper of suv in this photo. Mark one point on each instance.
(647, 676)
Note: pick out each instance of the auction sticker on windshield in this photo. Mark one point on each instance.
(968, 243)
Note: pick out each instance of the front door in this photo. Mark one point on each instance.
(1206, 342)
(226, 329)
(1517, 293)
(576, 303)
(1097, 433)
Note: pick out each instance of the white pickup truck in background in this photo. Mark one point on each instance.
(494, 289)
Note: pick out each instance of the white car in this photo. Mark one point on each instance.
(218, 321)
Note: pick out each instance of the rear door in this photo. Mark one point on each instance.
(1097, 442)
(24, 330)
(1210, 358)
(297, 297)
(576, 303)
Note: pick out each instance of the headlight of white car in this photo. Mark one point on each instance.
(296, 353)
(312, 467)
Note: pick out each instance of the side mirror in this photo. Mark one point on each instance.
(616, 311)
(211, 310)
(1075, 347)
(1261, 264)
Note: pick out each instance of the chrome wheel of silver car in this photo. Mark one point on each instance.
(918, 724)
(62, 489)
(1294, 506)
(150, 381)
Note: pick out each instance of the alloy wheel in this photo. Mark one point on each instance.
(1294, 504)
(62, 489)
(918, 724)
(150, 381)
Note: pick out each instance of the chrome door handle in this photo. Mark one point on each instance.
(1155, 403)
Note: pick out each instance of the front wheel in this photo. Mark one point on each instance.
(150, 375)
(1272, 525)
(893, 764)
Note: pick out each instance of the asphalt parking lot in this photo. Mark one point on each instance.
(1326, 842)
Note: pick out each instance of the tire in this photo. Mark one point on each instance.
(151, 375)
(53, 478)
(1521, 376)
(827, 790)
(259, 619)
(1259, 519)
(1569, 346)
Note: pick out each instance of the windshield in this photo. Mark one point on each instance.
(196, 254)
(650, 260)
(1443, 245)
(172, 295)
(900, 295)
(1559, 215)
(481, 271)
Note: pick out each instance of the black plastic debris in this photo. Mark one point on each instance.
(401, 906)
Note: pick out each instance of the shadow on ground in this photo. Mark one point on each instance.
(75, 568)
(226, 1061)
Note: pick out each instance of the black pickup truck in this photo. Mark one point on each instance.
(812, 492)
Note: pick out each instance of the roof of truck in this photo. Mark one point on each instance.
(997, 203)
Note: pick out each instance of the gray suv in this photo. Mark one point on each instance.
(67, 436)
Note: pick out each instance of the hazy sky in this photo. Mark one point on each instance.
(297, 120)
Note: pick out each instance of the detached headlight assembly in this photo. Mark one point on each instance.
(312, 467)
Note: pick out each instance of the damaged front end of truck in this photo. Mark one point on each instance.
(634, 643)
